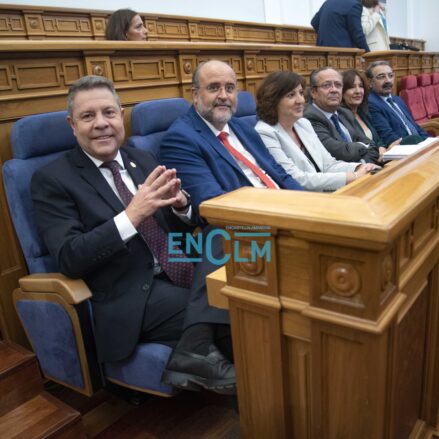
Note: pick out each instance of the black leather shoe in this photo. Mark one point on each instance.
(191, 371)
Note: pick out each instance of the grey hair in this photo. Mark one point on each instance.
(372, 65)
(196, 73)
(88, 83)
(314, 73)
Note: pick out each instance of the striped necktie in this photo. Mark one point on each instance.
(222, 136)
(180, 273)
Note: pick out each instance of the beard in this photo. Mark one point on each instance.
(216, 118)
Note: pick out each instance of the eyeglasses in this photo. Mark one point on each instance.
(329, 85)
(216, 88)
(382, 76)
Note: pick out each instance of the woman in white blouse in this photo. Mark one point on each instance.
(374, 26)
(292, 140)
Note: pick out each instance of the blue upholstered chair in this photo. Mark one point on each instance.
(151, 119)
(55, 310)
(246, 109)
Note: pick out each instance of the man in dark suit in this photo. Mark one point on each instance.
(336, 126)
(104, 213)
(390, 115)
(207, 165)
(338, 23)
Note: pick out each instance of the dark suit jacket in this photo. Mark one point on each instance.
(205, 167)
(74, 208)
(331, 139)
(338, 23)
(387, 123)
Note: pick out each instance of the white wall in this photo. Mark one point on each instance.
(406, 18)
(243, 10)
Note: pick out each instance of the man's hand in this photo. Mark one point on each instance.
(160, 189)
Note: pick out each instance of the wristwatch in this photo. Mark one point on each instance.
(188, 199)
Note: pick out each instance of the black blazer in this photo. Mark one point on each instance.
(74, 210)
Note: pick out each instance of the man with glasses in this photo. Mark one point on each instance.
(213, 152)
(335, 125)
(390, 115)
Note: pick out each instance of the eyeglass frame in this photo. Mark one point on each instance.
(216, 88)
(381, 76)
(330, 84)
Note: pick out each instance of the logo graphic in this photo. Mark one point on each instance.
(194, 245)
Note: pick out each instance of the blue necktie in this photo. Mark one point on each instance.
(337, 125)
(411, 129)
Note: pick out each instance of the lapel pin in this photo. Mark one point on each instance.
(133, 165)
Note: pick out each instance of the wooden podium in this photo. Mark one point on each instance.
(337, 335)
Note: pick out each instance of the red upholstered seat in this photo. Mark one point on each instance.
(435, 84)
(412, 96)
(424, 83)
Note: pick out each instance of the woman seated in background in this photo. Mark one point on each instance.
(126, 25)
(374, 25)
(355, 99)
(292, 140)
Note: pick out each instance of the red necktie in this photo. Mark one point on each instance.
(255, 168)
(180, 273)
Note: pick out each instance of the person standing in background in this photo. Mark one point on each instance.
(338, 24)
(374, 25)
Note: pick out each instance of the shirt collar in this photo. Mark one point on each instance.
(215, 131)
(328, 115)
(99, 162)
(384, 98)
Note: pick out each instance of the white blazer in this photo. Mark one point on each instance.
(296, 163)
(373, 28)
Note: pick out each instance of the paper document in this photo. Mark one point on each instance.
(401, 151)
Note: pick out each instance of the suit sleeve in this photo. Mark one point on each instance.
(178, 150)
(315, 22)
(76, 250)
(355, 28)
(382, 125)
(369, 20)
(420, 130)
(312, 181)
(341, 150)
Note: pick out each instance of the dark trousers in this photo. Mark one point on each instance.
(171, 309)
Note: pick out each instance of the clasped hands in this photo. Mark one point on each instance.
(161, 188)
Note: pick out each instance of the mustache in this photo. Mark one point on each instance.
(387, 84)
(222, 102)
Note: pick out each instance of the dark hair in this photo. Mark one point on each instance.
(272, 89)
(370, 3)
(348, 82)
(88, 83)
(372, 65)
(118, 24)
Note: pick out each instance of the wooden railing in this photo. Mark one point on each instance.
(336, 334)
(42, 22)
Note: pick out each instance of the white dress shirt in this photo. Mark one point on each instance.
(123, 224)
(236, 143)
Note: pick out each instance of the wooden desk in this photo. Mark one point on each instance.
(337, 336)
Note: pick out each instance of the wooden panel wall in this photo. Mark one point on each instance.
(42, 22)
